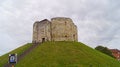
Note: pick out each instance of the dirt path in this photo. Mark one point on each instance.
(23, 54)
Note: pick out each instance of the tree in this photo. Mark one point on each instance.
(104, 50)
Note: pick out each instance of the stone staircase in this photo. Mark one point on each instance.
(23, 54)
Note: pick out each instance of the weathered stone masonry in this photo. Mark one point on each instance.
(58, 29)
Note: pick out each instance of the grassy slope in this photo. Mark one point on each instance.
(66, 54)
(4, 58)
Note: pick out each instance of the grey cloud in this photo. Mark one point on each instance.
(97, 20)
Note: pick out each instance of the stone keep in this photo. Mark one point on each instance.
(58, 29)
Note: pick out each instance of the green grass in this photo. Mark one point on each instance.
(66, 54)
(4, 58)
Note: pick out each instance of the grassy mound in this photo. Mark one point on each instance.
(66, 54)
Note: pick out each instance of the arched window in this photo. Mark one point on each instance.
(65, 35)
(65, 22)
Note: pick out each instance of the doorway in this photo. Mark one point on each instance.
(43, 39)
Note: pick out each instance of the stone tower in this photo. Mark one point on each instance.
(58, 29)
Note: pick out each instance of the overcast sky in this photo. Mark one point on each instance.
(98, 21)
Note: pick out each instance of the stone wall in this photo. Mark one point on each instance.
(58, 29)
(63, 29)
(41, 31)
